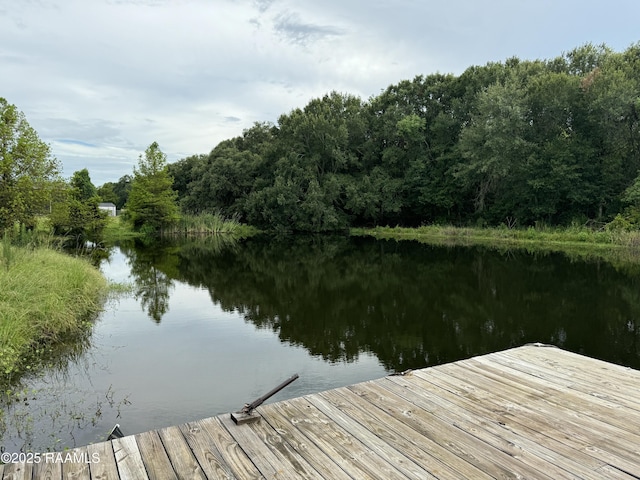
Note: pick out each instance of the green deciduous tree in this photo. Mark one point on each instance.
(151, 206)
(222, 181)
(494, 143)
(27, 169)
(81, 182)
(552, 141)
(107, 193)
(75, 213)
(122, 188)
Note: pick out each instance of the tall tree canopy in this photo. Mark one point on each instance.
(151, 206)
(81, 182)
(516, 142)
(27, 169)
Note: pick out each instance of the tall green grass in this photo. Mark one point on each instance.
(614, 245)
(559, 235)
(117, 230)
(44, 296)
(208, 224)
(204, 224)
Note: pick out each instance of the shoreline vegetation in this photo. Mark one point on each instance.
(46, 297)
(208, 224)
(574, 241)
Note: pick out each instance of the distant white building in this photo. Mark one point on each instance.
(109, 207)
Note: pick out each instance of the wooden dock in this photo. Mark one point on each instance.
(530, 412)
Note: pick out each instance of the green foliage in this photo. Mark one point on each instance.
(631, 195)
(606, 242)
(45, 296)
(7, 250)
(151, 206)
(522, 142)
(76, 215)
(118, 230)
(107, 194)
(207, 224)
(122, 189)
(27, 169)
(81, 183)
(620, 223)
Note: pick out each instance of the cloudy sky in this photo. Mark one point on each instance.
(101, 79)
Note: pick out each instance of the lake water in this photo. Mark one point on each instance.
(213, 325)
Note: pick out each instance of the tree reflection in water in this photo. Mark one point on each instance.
(411, 305)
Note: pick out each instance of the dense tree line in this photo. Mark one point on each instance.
(520, 142)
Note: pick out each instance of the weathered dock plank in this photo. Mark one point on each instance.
(337, 443)
(604, 382)
(128, 459)
(103, 461)
(511, 435)
(18, 471)
(513, 438)
(544, 429)
(575, 408)
(234, 457)
(269, 461)
(425, 454)
(495, 462)
(281, 448)
(47, 471)
(538, 407)
(566, 394)
(383, 439)
(180, 455)
(207, 455)
(528, 412)
(321, 462)
(77, 468)
(154, 456)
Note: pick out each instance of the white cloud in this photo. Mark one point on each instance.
(102, 79)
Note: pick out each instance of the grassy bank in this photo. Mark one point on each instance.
(575, 239)
(118, 230)
(45, 296)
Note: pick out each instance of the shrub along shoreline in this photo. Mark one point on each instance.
(45, 296)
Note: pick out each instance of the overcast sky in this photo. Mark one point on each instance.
(100, 80)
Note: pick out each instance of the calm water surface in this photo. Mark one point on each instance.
(211, 326)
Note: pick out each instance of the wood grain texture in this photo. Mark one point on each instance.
(205, 448)
(128, 459)
(47, 471)
(76, 465)
(528, 412)
(17, 471)
(154, 456)
(182, 458)
(103, 465)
